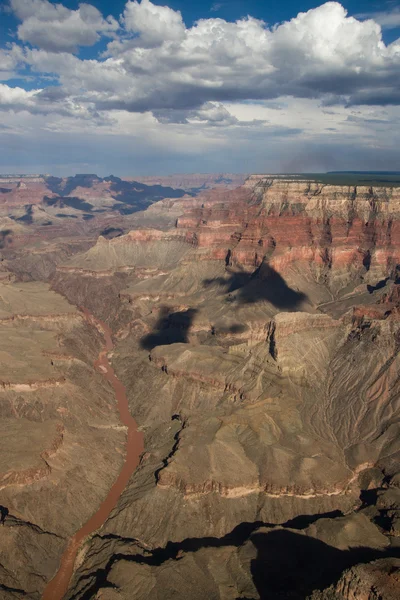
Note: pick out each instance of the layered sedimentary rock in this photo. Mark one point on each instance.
(258, 341)
(39, 210)
(16, 191)
(332, 233)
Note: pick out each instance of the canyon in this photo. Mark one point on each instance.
(251, 328)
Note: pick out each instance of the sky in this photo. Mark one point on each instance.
(145, 88)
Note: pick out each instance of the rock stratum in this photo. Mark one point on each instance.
(256, 332)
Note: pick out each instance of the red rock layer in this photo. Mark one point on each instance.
(21, 193)
(330, 230)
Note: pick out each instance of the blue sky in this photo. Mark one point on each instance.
(143, 87)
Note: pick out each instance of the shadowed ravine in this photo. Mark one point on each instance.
(58, 586)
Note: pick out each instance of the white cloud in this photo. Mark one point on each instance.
(11, 58)
(154, 24)
(216, 84)
(326, 36)
(160, 65)
(389, 19)
(55, 28)
(16, 97)
(49, 101)
(320, 53)
(7, 60)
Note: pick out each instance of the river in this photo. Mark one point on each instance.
(58, 586)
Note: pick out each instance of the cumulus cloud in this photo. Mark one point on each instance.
(16, 97)
(218, 77)
(158, 64)
(48, 101)
(155, 25)
(55, 28)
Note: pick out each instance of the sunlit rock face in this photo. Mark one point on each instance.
(257, 335)
(335, 232)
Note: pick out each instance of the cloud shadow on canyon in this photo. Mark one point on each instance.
(3, 514)
(286, 564)
(228, 329)
(171, 328)
(291, 565)
(130, 196)
(5, 238)
(264, 284)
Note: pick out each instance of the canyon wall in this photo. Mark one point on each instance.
(258, 341)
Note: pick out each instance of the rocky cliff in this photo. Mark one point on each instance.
(335, 234)
(258, 340)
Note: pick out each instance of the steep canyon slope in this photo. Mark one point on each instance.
(257, 336)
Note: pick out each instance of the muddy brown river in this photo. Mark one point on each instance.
(58, 586)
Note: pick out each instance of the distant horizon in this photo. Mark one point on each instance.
(176, 174)
(189, 181)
